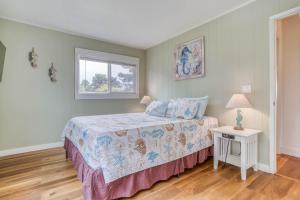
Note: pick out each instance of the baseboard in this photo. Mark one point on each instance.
(290, 151)
(264, 167)
(9, 152)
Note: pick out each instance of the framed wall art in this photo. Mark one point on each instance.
(189, 58)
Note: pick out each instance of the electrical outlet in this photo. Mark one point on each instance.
(246, 89)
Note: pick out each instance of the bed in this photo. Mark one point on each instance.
(118, 155)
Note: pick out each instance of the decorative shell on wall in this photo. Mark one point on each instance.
(33, 57)
(52, 73)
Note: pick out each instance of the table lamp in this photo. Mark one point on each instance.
(238, 101)
(146, 100)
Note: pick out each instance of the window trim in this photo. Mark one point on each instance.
(110, 59)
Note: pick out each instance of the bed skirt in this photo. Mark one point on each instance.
(94, 187)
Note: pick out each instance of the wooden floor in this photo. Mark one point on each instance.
(289, 167)
(47, 175)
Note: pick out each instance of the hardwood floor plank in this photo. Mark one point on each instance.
(290, 168)
(260, 182)
(278, 188)
(46, 175)
(294, 192)
(248, 194)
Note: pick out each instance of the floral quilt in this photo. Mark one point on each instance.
(123, 144)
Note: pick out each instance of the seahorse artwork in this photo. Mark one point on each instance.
(52, 73)
(189, 58)
(185, 53)
(33, 57)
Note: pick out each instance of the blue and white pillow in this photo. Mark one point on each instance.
(202, 104)
(157, 108)
(172, 107)
(186, 109)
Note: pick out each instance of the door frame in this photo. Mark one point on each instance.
(273, 83)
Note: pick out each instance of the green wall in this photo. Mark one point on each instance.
(34, 110)
(236, 53)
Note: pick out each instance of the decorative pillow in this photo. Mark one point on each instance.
(172, 107)
(202, 104)
(157, 108)
(186, 109)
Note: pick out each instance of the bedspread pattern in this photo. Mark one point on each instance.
(123, 144)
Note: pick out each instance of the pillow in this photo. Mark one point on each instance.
(202, 104)
(186, 109)
(171, 110)
(157, 108)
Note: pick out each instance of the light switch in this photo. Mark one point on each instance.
(246, 89)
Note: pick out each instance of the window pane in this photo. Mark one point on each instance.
(122, 78)
(93, 76)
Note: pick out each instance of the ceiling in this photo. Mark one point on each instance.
(136, 23)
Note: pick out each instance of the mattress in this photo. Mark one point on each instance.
(124, 144)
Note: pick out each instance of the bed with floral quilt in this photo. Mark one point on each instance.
(121, 154)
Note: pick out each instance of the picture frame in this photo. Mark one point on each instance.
(190, 60)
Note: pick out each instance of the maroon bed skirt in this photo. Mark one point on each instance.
(94, 187)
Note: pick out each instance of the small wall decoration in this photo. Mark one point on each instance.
(52, 73)
(33, 57)
(190, 59)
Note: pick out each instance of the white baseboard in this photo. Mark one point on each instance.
(264, 167)
(9, 152)
(290, 151)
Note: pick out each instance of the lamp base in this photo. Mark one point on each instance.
(238, 128)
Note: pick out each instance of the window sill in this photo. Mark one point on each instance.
(105, 96)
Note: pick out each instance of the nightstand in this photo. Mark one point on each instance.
(223, 137)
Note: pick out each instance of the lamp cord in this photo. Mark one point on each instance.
(226, 154)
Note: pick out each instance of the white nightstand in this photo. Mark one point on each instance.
(248, 140)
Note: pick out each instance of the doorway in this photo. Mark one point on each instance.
(284, 87)
(288, 96)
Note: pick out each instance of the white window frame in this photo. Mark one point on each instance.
(111, 59)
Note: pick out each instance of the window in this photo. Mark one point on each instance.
(101, 75)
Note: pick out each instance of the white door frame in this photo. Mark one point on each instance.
(273, 83)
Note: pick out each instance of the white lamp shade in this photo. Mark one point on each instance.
(146, 100)
(238, 101)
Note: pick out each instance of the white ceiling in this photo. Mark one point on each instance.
(135, 23)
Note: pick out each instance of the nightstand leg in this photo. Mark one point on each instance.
(216, 152)
(243, 160)
(255, 167)
(243, 174)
